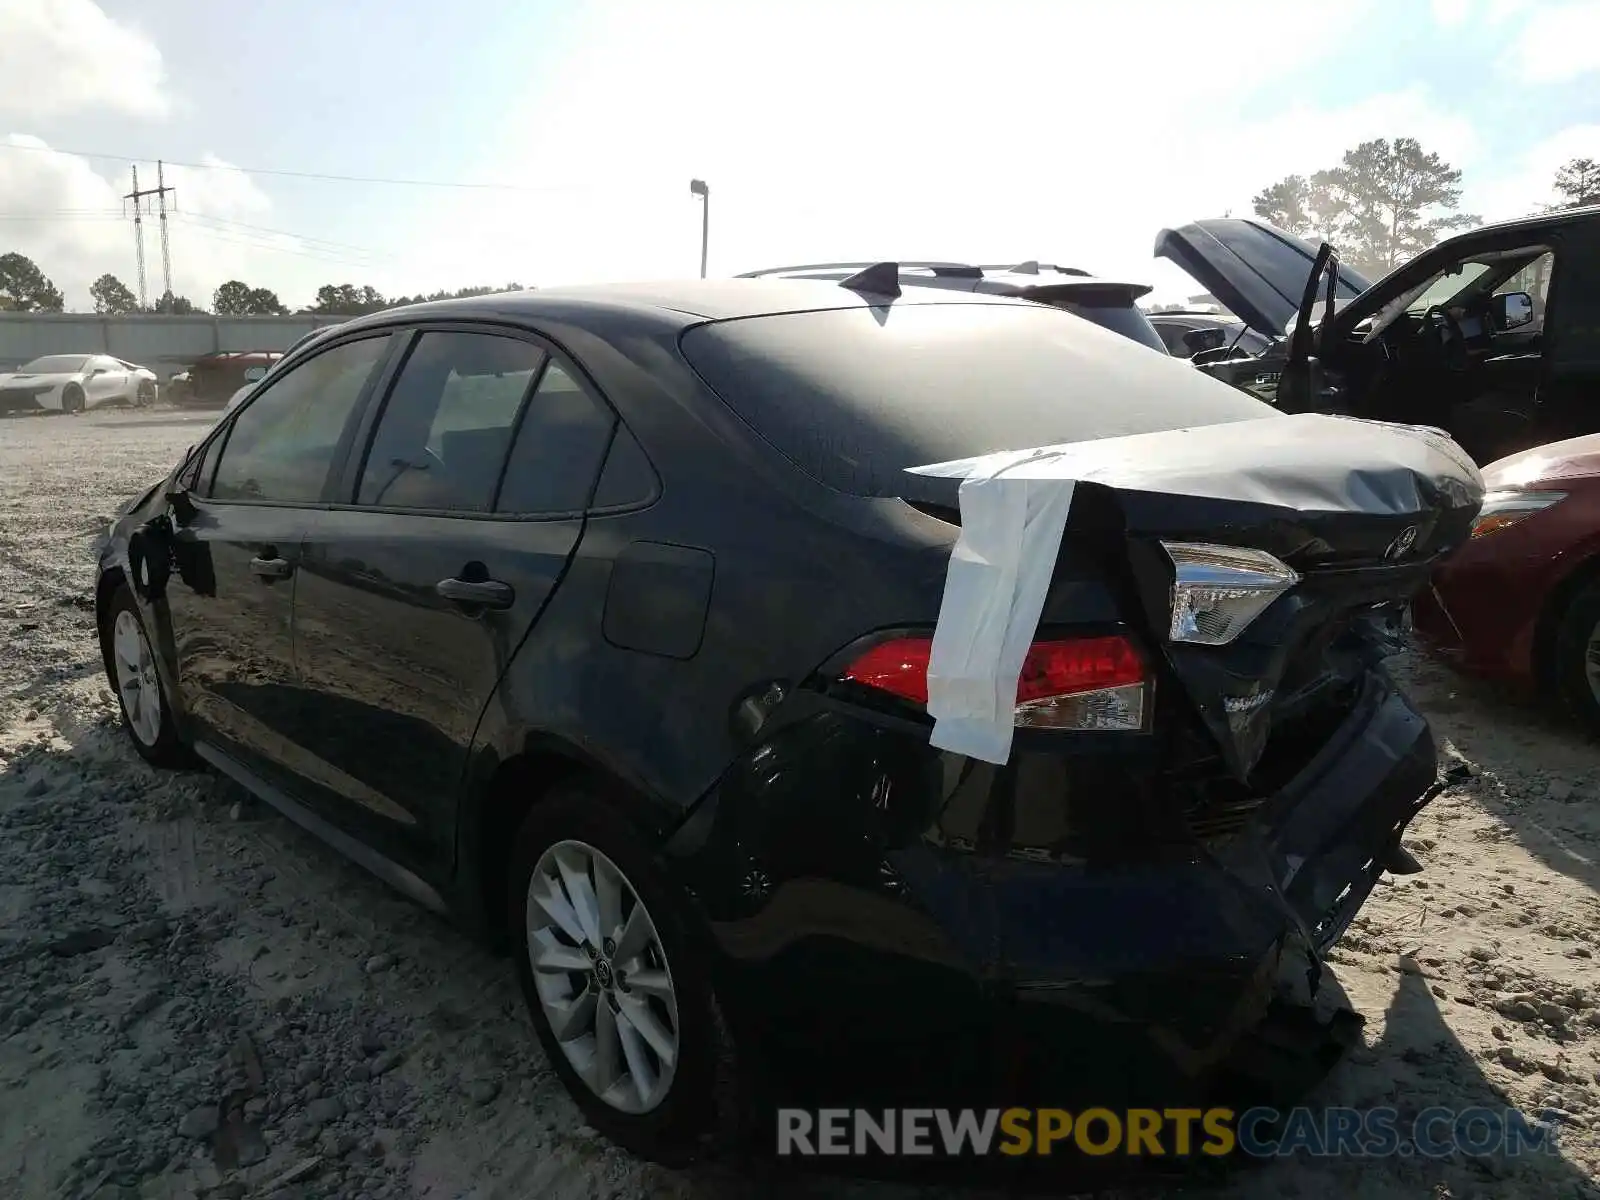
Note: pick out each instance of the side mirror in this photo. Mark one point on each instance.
(1511, 310)
(97, 371)
(1198, 341)
(177, 496)
(255, 374)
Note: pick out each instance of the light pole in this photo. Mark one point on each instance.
(697, 187)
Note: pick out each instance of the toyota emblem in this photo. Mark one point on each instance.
(1402, 545)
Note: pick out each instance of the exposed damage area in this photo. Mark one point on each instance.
(1268, 767)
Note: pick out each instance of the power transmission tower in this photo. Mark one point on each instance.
(137, 195)
(138, 233)
(166, 252)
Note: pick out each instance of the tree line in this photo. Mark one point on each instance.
(25, 288)
(1386, 202)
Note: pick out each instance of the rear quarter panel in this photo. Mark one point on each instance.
(796, 572)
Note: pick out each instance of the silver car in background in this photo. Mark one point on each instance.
(70, 383)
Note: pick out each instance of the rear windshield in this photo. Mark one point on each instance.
(854, 396)
(1125, 319)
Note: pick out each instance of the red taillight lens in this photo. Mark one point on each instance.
(1079, 683)
(899, 667)
(1079, 665)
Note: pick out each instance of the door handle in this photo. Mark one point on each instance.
(271, 568)
(485, 593)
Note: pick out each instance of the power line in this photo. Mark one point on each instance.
(316, 175)
(299, 237)
(271, 248)
(69, 214)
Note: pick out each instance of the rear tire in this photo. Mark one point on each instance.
(134, 677)
(1576, 656)
(597, 876)
(72, 399)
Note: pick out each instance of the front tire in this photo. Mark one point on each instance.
(146, 395)
(72, 399)
(616, 979)
(134, 677)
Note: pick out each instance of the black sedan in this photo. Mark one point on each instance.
(601, 618)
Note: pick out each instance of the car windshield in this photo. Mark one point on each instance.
(854, 396)
(56, 364)
(1447, 284)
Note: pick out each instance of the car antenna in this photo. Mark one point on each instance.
(880, 279)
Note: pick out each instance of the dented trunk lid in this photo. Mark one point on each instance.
(1359, 509)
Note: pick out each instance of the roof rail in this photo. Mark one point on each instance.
(961, 270)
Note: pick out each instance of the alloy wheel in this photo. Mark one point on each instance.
(602, 977)
(137, 681)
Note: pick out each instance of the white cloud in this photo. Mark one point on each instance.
(1557, 44)
(71, 219)
(1063, 132)
(1522, 186)
(69, 56)
(1452, 13)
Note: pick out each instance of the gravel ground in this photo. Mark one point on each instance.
(197, 999)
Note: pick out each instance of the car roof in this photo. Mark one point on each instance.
(682, 301)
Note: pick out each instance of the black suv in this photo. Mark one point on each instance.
(601, 618)
(1107, 302)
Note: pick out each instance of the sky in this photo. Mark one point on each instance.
(553, 141)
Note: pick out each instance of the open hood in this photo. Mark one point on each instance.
(1256, 270)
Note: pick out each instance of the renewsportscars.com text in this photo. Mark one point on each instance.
(1160, 1133)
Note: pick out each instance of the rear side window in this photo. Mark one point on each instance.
(558, 449)
(282, 443)
(443, 435)
(854, 396)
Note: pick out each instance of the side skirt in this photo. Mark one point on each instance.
(405, 882)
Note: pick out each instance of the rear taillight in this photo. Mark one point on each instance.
(1072, 683)
(1218, 590)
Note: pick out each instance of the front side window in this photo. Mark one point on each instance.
(283, 441)
(445, 429)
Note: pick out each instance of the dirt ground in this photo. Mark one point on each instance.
(165, 942)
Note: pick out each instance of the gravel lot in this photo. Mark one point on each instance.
(196, 998)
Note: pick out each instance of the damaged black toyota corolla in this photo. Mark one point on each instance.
(602, 619)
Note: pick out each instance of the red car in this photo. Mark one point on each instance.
(1520, 602)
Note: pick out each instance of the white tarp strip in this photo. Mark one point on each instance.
(994, 592)
(1015, 504)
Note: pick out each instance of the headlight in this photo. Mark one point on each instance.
(1503, 509)
(1218, 590)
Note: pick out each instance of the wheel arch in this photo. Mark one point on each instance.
(1584, 572)
(505, 790)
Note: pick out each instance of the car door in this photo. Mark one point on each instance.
(457, 523)
(1569, 392)
(107, 380)
(236, 548)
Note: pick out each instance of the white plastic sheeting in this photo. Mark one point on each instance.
(1015, 505)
